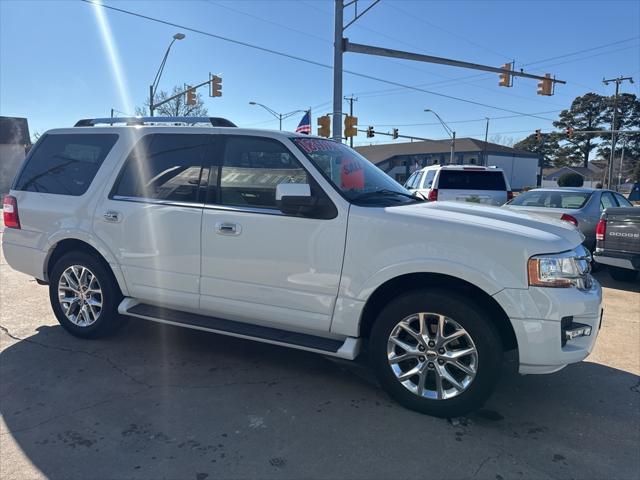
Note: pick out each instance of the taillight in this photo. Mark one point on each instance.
(10, 212)
(601, 229)
(433, 195)
(569, 218)
(509, 195)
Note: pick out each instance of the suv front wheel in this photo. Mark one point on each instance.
(436, 352)
(84, 296)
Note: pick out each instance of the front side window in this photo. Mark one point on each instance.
(357, 179)
(65, 164)
(253, 167)
(164, 167)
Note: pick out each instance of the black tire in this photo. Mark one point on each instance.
(108, 319)
(469, 316)
(623, 274)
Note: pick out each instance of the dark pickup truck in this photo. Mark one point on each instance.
(618, 242)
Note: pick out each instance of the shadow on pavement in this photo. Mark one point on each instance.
(602, 275)
(163, 402)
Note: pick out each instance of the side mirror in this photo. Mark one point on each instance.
(295, 198)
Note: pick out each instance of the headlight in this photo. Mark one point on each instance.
(561, 270)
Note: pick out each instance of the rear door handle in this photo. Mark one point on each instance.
(111, 216)
(226, 228)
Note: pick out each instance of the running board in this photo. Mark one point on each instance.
(348, 348)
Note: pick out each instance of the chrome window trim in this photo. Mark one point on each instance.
(156, 201)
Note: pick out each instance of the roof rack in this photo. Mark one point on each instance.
(214, 121)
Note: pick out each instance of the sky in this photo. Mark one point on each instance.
(65, 60)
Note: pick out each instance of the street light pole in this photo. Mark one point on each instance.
(279, 116)
(449, 131)
(617, 81)
(154, 86)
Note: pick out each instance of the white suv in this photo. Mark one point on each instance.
(460, 183)
(298, 241)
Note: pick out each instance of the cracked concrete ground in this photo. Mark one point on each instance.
(161, 402)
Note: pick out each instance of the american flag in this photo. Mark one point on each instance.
(305, 123)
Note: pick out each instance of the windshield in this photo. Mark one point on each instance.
(354, 176)
(551, 199)
(471, 180)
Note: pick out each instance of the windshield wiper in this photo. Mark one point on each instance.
(387, 192)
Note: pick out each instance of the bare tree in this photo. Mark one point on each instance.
(502, 140)
(175, 108)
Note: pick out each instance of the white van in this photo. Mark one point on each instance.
(461, 183)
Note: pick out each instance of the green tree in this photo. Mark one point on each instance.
(586, 113)
(175, 108)
(547, 147)
(570, 179)
(627, 118)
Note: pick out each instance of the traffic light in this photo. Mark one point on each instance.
(505, 78)
(370, 132)
(350, 129)
(215, 86)
(538, 135)
(569, 132)
(545, 87)
(324, 126)
(191, 95)
(394, 133)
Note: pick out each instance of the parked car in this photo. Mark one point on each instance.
(460, 183)
(618, 242)
(581, 207)
(243, 232)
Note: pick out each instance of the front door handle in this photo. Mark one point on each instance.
(226, 228)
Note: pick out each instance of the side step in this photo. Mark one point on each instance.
(348, 349)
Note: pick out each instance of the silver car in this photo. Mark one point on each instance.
(580, 206)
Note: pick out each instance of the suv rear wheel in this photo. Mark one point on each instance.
(84, 296)
(436, 352)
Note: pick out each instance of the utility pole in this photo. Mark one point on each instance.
(351, 99)
(486, 136)
(337, 70)
(617, 81)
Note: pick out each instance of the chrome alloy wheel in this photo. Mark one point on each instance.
(80, 295)
(432, 356)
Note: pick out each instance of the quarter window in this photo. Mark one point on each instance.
(65, 164)
(253, 167)
(164, 167)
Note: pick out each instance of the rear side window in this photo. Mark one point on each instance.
(164, 167)
(428, 182)
(622, 202)
(65, 164)
(471, 180)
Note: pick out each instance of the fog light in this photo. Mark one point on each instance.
(572, 330)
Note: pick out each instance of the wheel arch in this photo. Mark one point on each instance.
(415, 281)
(67, 245)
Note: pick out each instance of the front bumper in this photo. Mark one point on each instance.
(536, 315)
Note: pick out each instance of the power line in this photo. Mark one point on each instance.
(475, 120)
(461, 37)
(304, 60)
